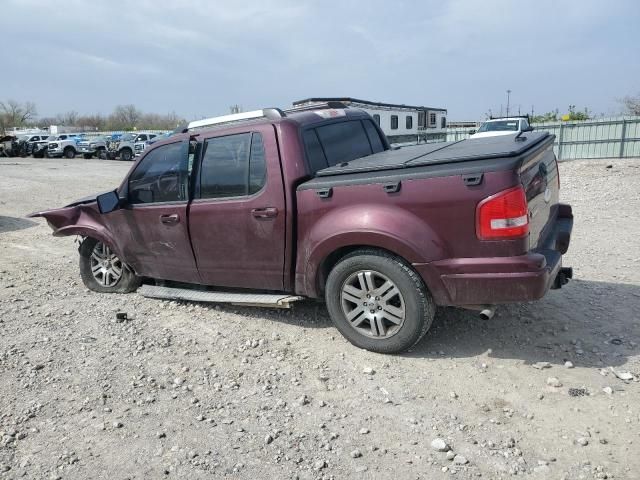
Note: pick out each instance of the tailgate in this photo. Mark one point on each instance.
(541, 182)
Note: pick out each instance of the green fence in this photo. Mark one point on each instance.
(602, 138)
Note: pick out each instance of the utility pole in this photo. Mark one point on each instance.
(508, 98)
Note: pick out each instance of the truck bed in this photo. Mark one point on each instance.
(505, 146)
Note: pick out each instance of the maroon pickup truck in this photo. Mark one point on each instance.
(269, 207)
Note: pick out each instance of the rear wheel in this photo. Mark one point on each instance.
(378, 302)
(102, 271)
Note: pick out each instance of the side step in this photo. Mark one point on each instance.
(277, 300)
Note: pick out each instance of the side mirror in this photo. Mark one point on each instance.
(471, 132)
(108, 202)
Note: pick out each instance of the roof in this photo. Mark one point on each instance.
(365, 102)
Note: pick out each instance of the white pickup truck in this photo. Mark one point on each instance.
(502, 126)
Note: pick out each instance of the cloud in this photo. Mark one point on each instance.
(197, 57)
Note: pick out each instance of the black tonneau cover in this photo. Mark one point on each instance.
(503, 146)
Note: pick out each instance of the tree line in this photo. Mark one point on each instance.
(123, 117)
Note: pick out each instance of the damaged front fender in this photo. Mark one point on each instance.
(79, 218)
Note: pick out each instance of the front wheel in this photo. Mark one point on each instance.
(69, 153)
(126, 155)
(102, 271)
(378, 302)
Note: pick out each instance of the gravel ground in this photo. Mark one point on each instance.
(194, 391)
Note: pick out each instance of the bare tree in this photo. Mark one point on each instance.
(68, 119)
(94, 121)
(125, 117)
(631, 104)
(15, 114)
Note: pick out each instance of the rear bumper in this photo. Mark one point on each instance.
(485, 281)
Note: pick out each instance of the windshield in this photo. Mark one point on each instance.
(499, 126)
(127, 137)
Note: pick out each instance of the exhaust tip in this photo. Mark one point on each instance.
(487, 313)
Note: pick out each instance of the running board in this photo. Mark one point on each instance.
(277, 300)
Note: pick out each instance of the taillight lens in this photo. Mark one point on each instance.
(503, 215)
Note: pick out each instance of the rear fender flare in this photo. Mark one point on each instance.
(396, 231)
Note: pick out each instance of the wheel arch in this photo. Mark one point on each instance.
(333, 258)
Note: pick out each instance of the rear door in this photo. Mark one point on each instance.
(541, 182)
(237, 216)
(152, 229)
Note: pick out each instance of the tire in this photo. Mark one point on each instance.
(127, 281)
(400, 319)
(87, 156)
(101, 154)
(69, 153)
(126, 155)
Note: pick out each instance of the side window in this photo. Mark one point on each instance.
(152, 135)
(524, 124)
(161, 176)
(343, 141)
(376, 118)
(409, 122)
(257, 165)
(225, 166)
(394, 122)
(141, 138)
(315, 154)
(374, 136)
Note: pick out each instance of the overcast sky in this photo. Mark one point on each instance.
(198, 57)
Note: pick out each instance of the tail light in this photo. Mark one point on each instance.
(503, 215)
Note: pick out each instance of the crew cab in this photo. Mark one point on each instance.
(94, 146)
(126, 146)
(270, 207)
(65, 144)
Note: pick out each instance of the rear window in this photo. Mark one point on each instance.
(340, 142)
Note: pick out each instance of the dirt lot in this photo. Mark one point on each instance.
(197, 391)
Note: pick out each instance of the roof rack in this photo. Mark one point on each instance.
(491, 117)
(272, 113)
(316, 106)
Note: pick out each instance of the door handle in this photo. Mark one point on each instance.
(268, 212)
(170, 219)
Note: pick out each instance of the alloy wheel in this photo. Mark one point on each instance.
(372, 304)
(106, 267)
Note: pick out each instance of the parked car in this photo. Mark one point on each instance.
(273, 207)
(39, 148)
(126, 146)
(94, 146)
(503, 126)
(64, 144)
(27, 142)
(151, 141)
(9, 146)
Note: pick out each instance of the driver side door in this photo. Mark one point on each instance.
(152, 230)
